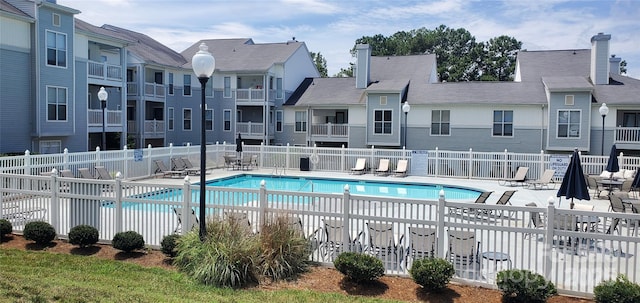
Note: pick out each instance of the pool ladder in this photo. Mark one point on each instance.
(278, 170)
(305, 185)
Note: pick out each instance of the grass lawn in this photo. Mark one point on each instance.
(30, 276)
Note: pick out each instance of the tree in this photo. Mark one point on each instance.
(345, 72)
(623, 67)
(320, 62)
(458, 55)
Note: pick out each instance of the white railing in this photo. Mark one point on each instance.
(250, 94)
(94, 117)
(154, 128)
(574, 259)
(250, 128)
(330, 130)
(132, 89)
(104, 71)
(627, 135)
(154, 90)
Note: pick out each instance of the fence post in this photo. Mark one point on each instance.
(65, 158)
(118, 202)
(505, 169)
(287, 157)
(185, 211)
(98, 157)
(440, 228)
(342, 158)
(542, 163)
(263, 202)
(372, 166)
(125, 166)
(437, 170)
(150, 170)
(470, 166)
(27, 162)
(55, 206)
(346, 196)
(548, 239)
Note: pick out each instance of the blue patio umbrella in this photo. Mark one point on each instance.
(573, 184)
(612, 163)
(636, 179)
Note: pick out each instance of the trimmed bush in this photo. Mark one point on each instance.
(128, 241)
(39, 231)
(229, 256)
(83, 235)
(5, 228)
(359, 267)
(285, 252)
(619, 291)
(523, 286)
(168, 244)
(432, 273)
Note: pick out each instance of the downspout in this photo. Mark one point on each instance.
(36, 84)
(542, 128)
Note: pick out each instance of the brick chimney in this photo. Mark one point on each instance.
(600, 58)
(614, 65)
(363, 65)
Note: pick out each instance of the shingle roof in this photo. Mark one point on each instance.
(330, 92)
(6, 7)
(482, 93)
(556, 63)
(83, 26)
(626, 91)
(567, 83)
(242, 55)
(146, 48)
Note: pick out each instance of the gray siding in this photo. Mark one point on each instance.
(582, 103)
(393, 104)
(16, 101)
(479, 139)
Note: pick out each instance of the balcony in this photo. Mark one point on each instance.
(627, 137)
(330, 132)
(154, 128)
(114, 118)
(250, 95)
(154, 90)
(100, 70)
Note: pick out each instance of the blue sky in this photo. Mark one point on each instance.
(331, 27)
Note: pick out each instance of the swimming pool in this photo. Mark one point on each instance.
(356, 187)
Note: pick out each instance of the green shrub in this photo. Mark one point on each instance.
(83, 235)
(128, 241)
(619, 291)
(39, 231)
(228, 256)
(5, 228)
(519, 285)
(359, 267)
(432, 273)
(168, 244)
(285, 252)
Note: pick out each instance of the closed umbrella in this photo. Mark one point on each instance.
(239, 145)
(636, 179)
(573, 184)
(612, 163)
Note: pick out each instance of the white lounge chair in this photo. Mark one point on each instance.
(383, 167)
(401, 168)
(545, 181)
(519, 178)
(360, 166)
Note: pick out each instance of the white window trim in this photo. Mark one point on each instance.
(212, 120)
(502, 123)
(46, 50)
(558, 124)
(295, 122)
(55, 19)
(183, 119)
(224, 115)
(430, 124)
(171, 117)
(569, 100)
(184, 85)
(383, 122)
(383, 100)
(67, 105)
(281, 112)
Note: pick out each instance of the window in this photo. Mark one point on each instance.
(56, 19)
(440, 122)
(171, 84)
(187, 85)
(301, 121)
(209, 90)
(50, 146)
(382, 122)
(568, 100)
(56, 49)
(186, 119)
(208, 119)
(227, 120)
(170, 118)
(227, 87)
(56, 103)
(279, 118)
(503, 123)
(569, 124)
(279, 91)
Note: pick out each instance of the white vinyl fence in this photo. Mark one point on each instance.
(574, 249)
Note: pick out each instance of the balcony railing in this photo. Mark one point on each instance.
(114, 117)
(330, 130)
(132, 89)
(154, 90)
(250, 128)
(154, 128)
(105, 71)
(628, 135)
(250, 94)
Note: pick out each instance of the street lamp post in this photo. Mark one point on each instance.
(405, 108)
(102, 96)
(203, 65)
(604, 110)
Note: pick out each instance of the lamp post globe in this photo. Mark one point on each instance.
(405, 109)
(203, 65)
(102, 96)
(604, 110)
